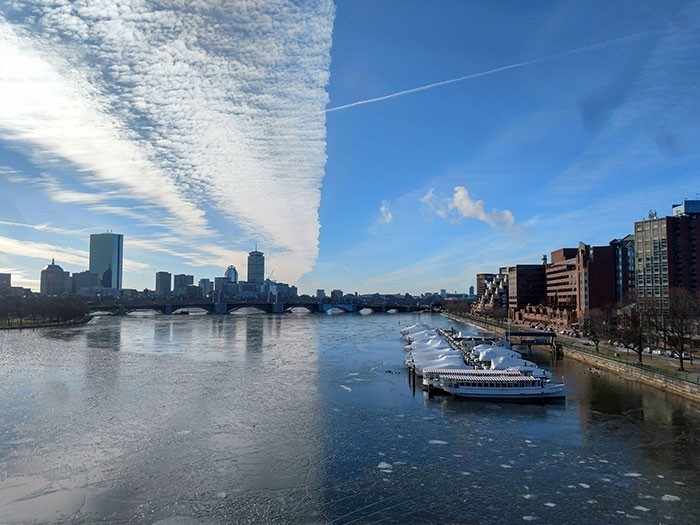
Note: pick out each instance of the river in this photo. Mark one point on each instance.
(311, 419)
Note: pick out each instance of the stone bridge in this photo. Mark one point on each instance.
(167, 308)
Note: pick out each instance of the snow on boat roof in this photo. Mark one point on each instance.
(473, 371)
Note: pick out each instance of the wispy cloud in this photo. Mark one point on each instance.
(179, 109)
(462, 205)
(385, 214)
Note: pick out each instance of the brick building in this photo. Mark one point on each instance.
(527, 285)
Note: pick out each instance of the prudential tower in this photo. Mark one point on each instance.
(256, 267)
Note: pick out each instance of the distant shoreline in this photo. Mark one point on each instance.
(74, 322)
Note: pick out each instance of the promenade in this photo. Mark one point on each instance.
(658, 371)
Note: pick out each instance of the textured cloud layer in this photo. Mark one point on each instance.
(187, 106)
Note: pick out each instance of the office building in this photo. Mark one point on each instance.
(666, 252)
(527, 284)
(5, 283)
(106, 258)
(181, 282)
(54, 281)
(207, 286)
(84, 283)
(320, 293)
(256, 267)
(163, 284)
(336, 295)
(624, 268)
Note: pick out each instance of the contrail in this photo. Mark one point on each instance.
(418, 89)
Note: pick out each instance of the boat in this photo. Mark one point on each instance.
(512, 384)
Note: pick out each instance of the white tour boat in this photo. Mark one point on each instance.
(507, 385)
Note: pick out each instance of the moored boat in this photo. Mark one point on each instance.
(505, 385)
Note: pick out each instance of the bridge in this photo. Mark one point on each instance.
(173, 307)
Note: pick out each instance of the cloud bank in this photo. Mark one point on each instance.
(185, 110)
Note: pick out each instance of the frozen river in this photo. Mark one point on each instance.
(311, 419)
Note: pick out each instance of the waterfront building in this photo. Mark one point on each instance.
(482, 281)
(320, 293)
(495, 293)
(576, 281)
(84, 283)
(562, 279)
(256, 267)
(595, 272)
(163, 283)
(54, 281)
(5, 283)
(336, 295)
(666, 253)
(527, 284)
(624, 267)
(106, 258)
(181, 282)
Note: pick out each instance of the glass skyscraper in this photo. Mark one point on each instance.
(106, 256)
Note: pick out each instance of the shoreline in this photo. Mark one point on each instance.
(644, 373)
(75, 322)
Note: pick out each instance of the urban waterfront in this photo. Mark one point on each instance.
(311, 419)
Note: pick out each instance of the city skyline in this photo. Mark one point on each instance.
(411, 148)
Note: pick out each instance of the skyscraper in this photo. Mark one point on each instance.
(106, 256)
(256, 267)
(232, 274)
(163, 283)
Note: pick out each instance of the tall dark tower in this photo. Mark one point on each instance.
(256, 267)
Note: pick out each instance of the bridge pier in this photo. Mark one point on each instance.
(220, 308)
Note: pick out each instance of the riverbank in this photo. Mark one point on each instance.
(658, 372)
(74, 322)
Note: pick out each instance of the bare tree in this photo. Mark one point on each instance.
(595, 325)
(632, 327)
(675, 324)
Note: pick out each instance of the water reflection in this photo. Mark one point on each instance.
(266, 418)
(104, 336)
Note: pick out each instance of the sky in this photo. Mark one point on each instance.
(368, 145)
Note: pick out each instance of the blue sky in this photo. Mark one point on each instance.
(199, 129)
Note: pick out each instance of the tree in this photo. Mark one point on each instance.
(632, 327)
(675, 324)
(595, 325)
